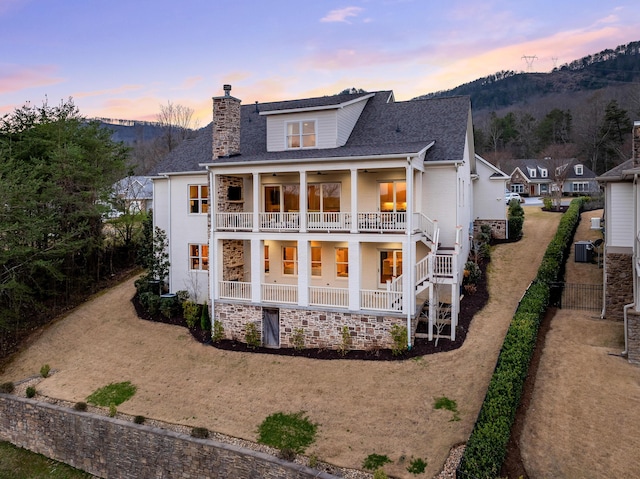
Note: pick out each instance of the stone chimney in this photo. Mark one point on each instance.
(226, 124)
(635, 153)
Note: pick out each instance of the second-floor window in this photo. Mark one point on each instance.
(199, 257)
(579, 170)
(198, 199)
(281, 198)
(323, 197)
(393, 196)
(301, 134)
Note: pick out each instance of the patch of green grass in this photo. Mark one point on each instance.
(373, 462)
(417, 466)
(18, 463)
(448, 404)
(114, 393)
(290, 433)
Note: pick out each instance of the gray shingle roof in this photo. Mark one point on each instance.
(615, 173)
(384, 128)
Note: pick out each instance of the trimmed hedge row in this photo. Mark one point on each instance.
(487, 446)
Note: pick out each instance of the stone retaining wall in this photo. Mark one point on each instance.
(108, 447)
(498, 228)
(633, 337)
(321, 329)
(618, 284)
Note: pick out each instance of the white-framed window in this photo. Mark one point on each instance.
(282, 198)
(301, 134)
(199, 257)
(316, 261)
(517, 188)
(544, 173)
(198, 199)
(544, 188)
(342, 262)
(390, 265)
(580, 186)
(532, 172)
(393, 196)
(267, 266)
(579, 170)
(290, 260)
(323, 197)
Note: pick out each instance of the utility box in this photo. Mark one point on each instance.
(595, 223)
(584, 252)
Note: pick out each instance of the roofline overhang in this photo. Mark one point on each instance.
(162, 176)
(317, 108)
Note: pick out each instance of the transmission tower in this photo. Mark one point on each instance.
(529, 59)
(555, 61)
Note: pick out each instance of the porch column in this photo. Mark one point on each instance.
(303, 202)
(354, 203)
(303, 272)
(218, 266)
(409, 271)
(256, 202)
(354, 275)
(257, 264)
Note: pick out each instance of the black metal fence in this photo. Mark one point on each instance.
(577, 296)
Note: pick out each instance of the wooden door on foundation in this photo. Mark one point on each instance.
(271, 327)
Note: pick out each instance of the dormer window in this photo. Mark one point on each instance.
(532, 173)
(301, 134)
(579, 170)
(544, 173)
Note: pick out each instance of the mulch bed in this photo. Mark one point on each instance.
(469, 306)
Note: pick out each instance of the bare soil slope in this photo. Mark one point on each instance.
(362, 407)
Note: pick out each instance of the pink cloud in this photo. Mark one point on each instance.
(16, 78)
(341, 15)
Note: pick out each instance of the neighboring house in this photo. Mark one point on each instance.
(622, 247)
(308, 216)
(542, 177)
(133, 194)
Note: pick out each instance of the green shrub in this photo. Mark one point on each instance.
(169, 306)
(139, 419)
(515, 226)
(205, 323)
(345, 344)
(417, 466)
(218, 332)
(115, 393)
(289, 433)
(183, 295)
(200, 432)
(45, 370)
(374, 462)
(80, 406)
(547, 203)
(400, 340)
(297, 339)
(150, 302)
(113, 410)
(191, 312)
(7, 388)
(472, 273)
(251, 335)
(380, 474)
(31, 391)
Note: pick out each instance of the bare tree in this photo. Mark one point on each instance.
(177, 121)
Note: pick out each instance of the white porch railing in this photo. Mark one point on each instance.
(279, 221)
(235, 290)
(378, 300)
(422, 269)
(382, 221)
(279, 293)
(234, 221)
(324, 296)
(328, 221)
(443, 265)
(428, 226)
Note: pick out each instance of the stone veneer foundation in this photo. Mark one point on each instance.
(498, 228)
(619, 284)
(321, 329)
(633, 337)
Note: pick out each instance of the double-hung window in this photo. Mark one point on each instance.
(342, 262)
(301, 134)
(393, 196)
(290, 260)
(323, 197)
(199, 257)
(316, 261)
(198, 199)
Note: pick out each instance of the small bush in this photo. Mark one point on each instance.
(417, 466)
(547, 203)
(45, 370)
(31, 391)
(169, 307)
(345, 345)
(205, 323)
(472, 273)
(191, 312)
(289, 433)
(313, 461)
(139, 419)
(297, 339)
(150, 302)
(200, 432)
(374, 462)
(400, 340)
(251, 335)
(218, 332)
(380, 474)
(80, 406)
(7, 388)
(182, 295)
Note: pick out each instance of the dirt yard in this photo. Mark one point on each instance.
(362, 407)
(584, 416)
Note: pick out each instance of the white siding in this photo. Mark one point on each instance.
(439, 200)
(488, 194)
(620, 215)
(326, 128)
(347, 118)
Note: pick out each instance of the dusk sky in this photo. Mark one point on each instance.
(124, 58)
